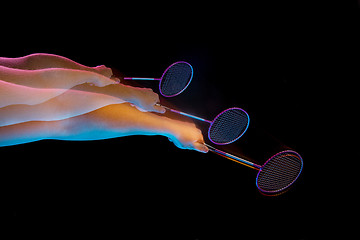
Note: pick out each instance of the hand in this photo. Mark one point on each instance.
(103, 70)
(187, 136)
(146, 101)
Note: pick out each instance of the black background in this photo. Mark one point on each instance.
(290, 65)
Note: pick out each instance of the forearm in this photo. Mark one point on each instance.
(124, 120)
(108, 122)
(42, 61)
(26, 132)
(52, 77)
(69, 104)
(19, 63)
(127, 93)
(11, 94)
(113, 121)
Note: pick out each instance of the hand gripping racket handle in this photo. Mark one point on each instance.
(185, 114)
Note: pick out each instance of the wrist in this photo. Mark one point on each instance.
(127, 93)
(171, 128)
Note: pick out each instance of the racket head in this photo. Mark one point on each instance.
(279, 172)
(228, 126)
(176, 79)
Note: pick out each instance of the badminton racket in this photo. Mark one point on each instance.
(175, 79)
(276, 175)
(227, 127)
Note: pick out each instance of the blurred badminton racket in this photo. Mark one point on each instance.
(227, 127)
(174, 80)
(276, 175)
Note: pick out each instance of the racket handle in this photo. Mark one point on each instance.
(184, 114)
(233, 158)
(136, 78)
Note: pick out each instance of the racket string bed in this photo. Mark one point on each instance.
(229, 126)
(276, 175)
(176, 79)
(279, 172)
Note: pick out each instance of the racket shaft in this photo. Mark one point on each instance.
(234, 158)
(185, 114)
(136, 78)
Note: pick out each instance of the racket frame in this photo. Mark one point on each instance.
(160, 79)
(211, 122)
(259, 167)
(282, 189)
(229, 109)
(191, 77)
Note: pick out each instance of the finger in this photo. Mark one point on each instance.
(157, 99)
(101, 81)
(116, 79)
(159, 109)
(200, 147)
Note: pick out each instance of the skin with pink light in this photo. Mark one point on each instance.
(46, 96)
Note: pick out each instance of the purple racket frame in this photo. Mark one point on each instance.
(160, 79)
(280, 190)
(259, 167)
(212, 122)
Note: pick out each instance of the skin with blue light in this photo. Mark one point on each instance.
(93, 106)
(112, 121)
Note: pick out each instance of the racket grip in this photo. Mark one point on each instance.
(184, 114)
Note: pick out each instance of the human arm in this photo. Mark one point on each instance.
(144, 99)
(11, 94)
(69, 104)
(111, 121)
(53, 77)
(38, 61)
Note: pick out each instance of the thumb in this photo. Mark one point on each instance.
(159, 109)
(116, 79)
(200, 147)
